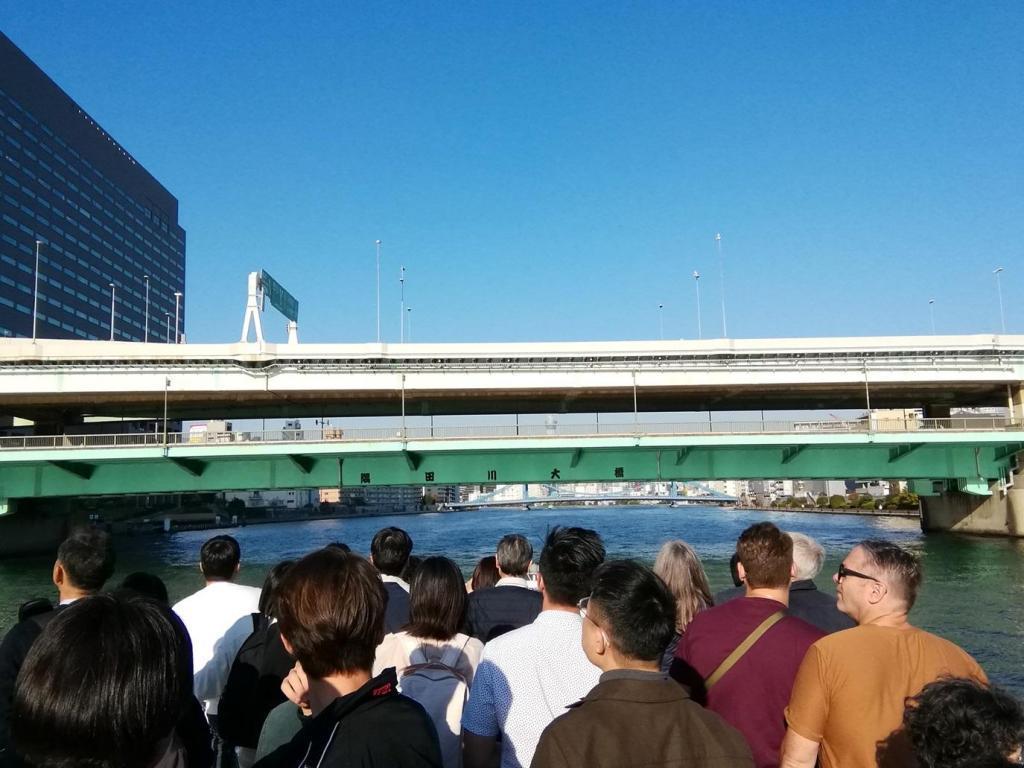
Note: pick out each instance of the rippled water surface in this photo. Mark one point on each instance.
(971, 594)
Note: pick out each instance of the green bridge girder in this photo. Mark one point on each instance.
(968, 457)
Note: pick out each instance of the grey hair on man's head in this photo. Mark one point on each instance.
(808, 556)
(901, 566)
(514, 554)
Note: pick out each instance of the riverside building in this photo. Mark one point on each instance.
(108, 231)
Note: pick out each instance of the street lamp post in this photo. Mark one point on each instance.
(167, 333)
(145, 336)
(401, 317)
(931, 313)
(661, 321)
(378, 291)
(696, 282)
(999, 289)
(408, 324)
(35, 293)
(113, 293)
(721, 274)
(177, 305)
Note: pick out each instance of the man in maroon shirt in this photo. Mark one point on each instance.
(753, 693)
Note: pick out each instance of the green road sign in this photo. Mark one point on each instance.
(280, 299)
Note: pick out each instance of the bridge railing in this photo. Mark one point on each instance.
(470, 431)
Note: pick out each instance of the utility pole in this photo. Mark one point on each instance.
(146, 332)
(401, 317)
(378, 291)
(999, 289)
(696, 282)
(35, 293)
(721, 274)
(177, 305)
(113, 292)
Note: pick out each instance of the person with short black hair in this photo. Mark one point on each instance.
(146, 584)
(109, 684)
(218, 618)
(870, 669)
(332, 620)
(85, 561)
(960, 723)
(529, 675)
(739, 658)
(512, 602)
(437, 605)
(389, 552)
(635, 715)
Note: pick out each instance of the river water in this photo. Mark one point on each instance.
(972, 591)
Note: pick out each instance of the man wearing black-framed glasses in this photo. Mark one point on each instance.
(869, 670)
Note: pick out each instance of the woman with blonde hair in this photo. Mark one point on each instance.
(681, 570)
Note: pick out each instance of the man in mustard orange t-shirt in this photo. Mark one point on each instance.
(847, 703)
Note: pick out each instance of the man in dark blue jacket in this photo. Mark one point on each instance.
(509, 604)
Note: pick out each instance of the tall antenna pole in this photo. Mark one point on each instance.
(661, 321)
(721, 274)
(378, 291)
(146, 332)
(696, 282)
(113, 290)
(401, 317)
(931, 313)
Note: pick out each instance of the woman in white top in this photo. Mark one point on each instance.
(434, 661)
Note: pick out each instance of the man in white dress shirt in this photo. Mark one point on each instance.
(218, 614)
(528, 676)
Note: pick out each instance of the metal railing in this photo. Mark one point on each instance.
(476, 431)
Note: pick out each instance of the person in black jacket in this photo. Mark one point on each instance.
(85, 560)
(389, 553)
(108, 684)
(510, 603)
(331, 611)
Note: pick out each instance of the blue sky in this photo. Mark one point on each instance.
(554, 171)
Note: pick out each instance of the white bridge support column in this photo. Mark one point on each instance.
(252, 310)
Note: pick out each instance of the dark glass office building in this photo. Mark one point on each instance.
(100, 217)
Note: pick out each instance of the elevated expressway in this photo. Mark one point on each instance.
(57, 383)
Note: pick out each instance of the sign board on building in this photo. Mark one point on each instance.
(279, 298)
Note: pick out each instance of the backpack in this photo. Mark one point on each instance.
(442, 691)
(253, 687)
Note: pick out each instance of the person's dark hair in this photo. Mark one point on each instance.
(635, 608)
(485, 574)
(271, 584)
(902, 568)
(958, 722)
(87, 556)
(339, 545)
(567, 563)
(390, 549)
(410, 568)
(219, 558)
(514, 554)
(437, 600)
(331, 609)
(766, 554)
(146, 584)
(103, 685)
(734, 570)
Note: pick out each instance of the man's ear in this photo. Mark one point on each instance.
(287, 646)
(741, 572)
(540, 583)
(792, 572)
(238, 566)
(59, 577)
(877, 593)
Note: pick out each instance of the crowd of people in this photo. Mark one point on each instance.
(392, 659)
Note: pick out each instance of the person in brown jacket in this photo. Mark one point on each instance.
(635, 715)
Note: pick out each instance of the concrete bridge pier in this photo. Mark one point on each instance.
(999, 514)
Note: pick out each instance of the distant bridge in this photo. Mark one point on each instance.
(586, 499)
